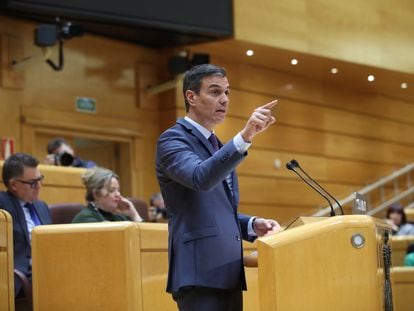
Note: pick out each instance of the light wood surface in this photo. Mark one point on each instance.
(315, 266)
(403, 288)
(410, 214)
(6, 262)
(368, 32)
(399, 248)
(86, 267)
(113, 266)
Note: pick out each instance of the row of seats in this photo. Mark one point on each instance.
(63, 213)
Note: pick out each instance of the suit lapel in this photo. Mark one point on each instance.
(191, 129)
(203, 141)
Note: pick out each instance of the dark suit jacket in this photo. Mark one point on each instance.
(21, 240)
(205, 230)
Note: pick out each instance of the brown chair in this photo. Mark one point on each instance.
(141, 207)
(63, 213)
(24, 302)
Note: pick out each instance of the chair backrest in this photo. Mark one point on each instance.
(141, 207)
(63, 213)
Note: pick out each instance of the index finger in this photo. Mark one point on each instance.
(270, 105)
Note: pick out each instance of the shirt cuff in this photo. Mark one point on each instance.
(250, 230)
(240, 144)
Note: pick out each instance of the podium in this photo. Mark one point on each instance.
(335, 263)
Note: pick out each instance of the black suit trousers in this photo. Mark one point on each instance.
(193, 298)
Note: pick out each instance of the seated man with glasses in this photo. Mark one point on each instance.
(23, 182)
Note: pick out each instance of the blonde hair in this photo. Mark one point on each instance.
(95, 180)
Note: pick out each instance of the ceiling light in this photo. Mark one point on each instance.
(249, 52)
(371, 78)
(294, 61)
(334, 70)
(404, 85)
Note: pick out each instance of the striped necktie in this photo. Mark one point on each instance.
(214, 141)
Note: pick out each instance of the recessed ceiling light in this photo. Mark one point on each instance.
(371, 78)
(334, 70)
(404, 85)
(249, 52)
(294, 61)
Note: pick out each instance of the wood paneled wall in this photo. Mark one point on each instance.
(372, 32)
(344, 138)
(41, 101)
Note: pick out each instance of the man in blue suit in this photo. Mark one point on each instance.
(23, 182)
(199, 185)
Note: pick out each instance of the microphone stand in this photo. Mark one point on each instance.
(292, 168)
(296, 164)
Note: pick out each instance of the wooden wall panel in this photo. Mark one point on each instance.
(95, 67)
(318, 142)
(373, 32)
(333, 119)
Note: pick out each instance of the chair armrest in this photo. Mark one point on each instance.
(26, 285)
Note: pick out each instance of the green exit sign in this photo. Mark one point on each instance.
(86, 104)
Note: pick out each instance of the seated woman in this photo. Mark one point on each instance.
(105, 202)
(398, 220)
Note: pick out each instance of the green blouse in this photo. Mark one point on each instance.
(94, 214)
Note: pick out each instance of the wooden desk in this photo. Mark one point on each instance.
(403, 288)
(410, 214)
(6, 262)
(399, 248)
(108, 266)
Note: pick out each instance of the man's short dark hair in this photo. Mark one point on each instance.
(194, 76)
(14, 166)
(55, 144)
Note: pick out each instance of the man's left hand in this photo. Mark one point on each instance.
(263, 226)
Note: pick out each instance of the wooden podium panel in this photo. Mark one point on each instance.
(6, 262)
(317, 267)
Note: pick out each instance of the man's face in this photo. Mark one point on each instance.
(209, 107)
(27, 187)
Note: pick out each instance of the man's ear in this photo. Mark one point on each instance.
(190, 96)
(12, 185)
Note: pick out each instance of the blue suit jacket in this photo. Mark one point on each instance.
(205, 230)
(21, 240)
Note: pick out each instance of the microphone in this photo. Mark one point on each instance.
(291, 166)
(296, 164)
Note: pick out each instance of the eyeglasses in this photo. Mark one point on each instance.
(32, 183)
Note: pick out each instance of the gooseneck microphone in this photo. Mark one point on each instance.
(296, 164)
(291, 166)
